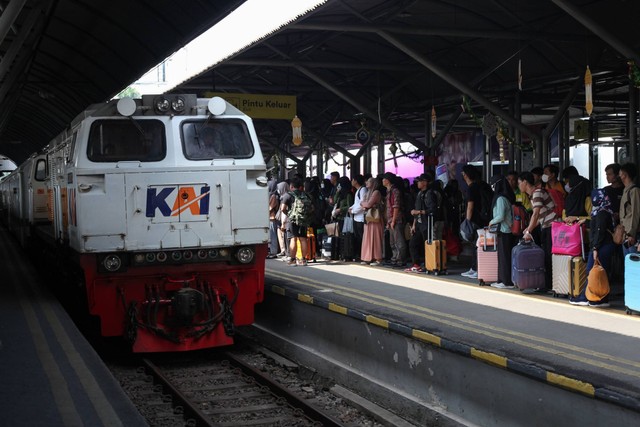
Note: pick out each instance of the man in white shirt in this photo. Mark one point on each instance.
(358, 212)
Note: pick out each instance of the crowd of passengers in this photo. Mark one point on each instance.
(411, 213)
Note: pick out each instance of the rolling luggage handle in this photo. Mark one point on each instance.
(495, 241)
(430, 240)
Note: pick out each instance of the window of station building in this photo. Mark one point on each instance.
(127, 140)
(216, 139)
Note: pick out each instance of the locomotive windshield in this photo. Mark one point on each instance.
(126, 140)
(215, 139)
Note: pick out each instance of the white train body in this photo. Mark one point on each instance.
(161, 202)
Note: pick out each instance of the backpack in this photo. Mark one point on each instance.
(486, 201)
(302, 209)
(434, 204)
(558, 199)
(520, 219)
(274, 203)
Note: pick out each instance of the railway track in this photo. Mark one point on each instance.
(219, 389)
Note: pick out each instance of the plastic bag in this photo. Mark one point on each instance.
(347, 226)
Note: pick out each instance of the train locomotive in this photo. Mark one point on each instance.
(156, 208)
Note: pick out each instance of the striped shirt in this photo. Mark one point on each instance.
(542, 199)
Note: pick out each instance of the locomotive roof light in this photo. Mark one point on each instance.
(112, 263)
(126, 107)
(217, 106)
(178, 104)
(245, 255)
(161, 104)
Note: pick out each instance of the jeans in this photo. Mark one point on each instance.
(631, 249)
(273, 236)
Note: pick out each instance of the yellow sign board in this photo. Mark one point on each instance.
(261, 106)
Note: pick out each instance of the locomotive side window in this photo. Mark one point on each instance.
(41, 170)
(126, 140)
(216, 139)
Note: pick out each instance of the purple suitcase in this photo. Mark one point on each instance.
(527, 260)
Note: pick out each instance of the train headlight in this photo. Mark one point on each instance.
(176, 255)
(112, 263)
(161, 104)
(178, 105)
(245, 255)
(139, 258)
(162, 256)
(151, 257)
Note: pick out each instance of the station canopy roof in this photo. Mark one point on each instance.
(378, 64)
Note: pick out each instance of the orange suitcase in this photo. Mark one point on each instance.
(311, 247)
(435, 252)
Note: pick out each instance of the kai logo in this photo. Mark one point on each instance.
(174, 200)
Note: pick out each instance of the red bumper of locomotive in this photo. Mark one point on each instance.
(175, 307)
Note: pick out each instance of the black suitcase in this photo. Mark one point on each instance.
(347, 246)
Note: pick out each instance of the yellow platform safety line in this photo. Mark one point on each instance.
(571, 384)
(426, 337)
(377, 321)
(305, 298)
(491, 358)
(338, 308)
(521, 339)
(278, 290)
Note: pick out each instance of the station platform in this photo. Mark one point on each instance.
(592, 352)
(50, 374)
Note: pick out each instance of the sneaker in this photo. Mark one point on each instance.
(302, 263)
(579, 300)
(363, 263)
(469, 273)
(414, 269)
(375, 263)
(271, 256)
(286, 259)
(501, 285)
(292, 262)
(473, 275)
(598, 304)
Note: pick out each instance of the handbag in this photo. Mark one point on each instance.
(597, 283)
(618, 234)
(486, 238)
(468, 231)
(566, 239)
(372, 215)
(332, 228)
(347, 225)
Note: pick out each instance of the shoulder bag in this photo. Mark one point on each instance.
(597, 283)
(373, 214)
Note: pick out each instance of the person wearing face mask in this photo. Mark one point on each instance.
(577, 204)
(550, 179)
(554, 188)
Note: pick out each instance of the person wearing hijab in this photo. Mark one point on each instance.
(274, 223)
(283, 221)
(343, 199)
(502, 216)
(600, 241)
(577, 203)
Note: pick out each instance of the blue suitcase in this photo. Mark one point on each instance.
(527, 260)
(632, 283)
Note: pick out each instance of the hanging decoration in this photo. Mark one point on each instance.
(296, 130)
(588, 105)
(489, 125)
(500, 138)
(634, 74)
(434, 121)
(466, 108)
(393, 148)
(363, 135)
(520, 75)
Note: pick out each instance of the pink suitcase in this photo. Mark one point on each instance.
(488, 263)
